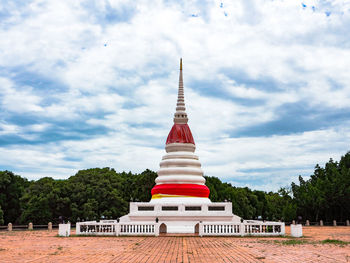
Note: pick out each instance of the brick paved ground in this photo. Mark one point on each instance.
(43, 246)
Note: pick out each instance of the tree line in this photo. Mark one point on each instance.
(97, 193)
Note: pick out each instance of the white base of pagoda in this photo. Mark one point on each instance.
(180, 215)
(182, 227)
(153, 219)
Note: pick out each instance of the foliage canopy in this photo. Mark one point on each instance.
(98, 193)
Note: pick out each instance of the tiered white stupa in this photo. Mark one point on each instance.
(180, 177)
(180, 198)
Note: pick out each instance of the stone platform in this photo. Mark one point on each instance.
(44, 246)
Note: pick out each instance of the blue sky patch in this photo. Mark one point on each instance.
(103, 13)
(296, 118)
(92, 84)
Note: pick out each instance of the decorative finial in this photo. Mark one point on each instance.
(180, 115)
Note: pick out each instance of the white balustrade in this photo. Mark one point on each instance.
(247, 228)
(220, 229)
(264, 228)
(250, 228)
(143, 229)
(117, 229)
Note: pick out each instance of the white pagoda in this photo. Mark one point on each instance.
(180, 198)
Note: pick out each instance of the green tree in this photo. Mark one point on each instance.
(90, 210)
(102, 192)
(142, 186)
(216, 188)
(11, 190)
(39, 202)
(289, 208)
(1, 216)
(97, 192)
(326, 194)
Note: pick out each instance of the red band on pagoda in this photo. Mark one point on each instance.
(194, 190)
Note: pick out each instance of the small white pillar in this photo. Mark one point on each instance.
(156, 229)
(9, 227)
(307, 223)
(77, 228)
(30, 226)
(296, 230)
(347, 222)
(321, 222)
(200, 232)
(242, 229)
(49, 226)
(283, 229)
(64, 230)
(334, 222)
(293, 222)
(117, 229)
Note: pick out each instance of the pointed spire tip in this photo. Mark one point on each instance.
(180, 116)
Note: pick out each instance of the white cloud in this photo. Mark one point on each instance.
(8, 129)
(18, 99)
(272, 159)
(122, 75)
(280, 158)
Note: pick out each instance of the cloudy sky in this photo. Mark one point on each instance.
(94, 83)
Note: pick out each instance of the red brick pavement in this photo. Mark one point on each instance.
(44, 246)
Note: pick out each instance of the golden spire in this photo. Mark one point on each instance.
(180, 63)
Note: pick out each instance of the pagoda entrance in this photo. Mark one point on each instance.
(162, 228)
(196, 229)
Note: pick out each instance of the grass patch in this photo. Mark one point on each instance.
(334, 241)
(252, 236)
(291, 242)
(57, 252)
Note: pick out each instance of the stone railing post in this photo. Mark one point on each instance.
(77, 228)
(117, 229)
(283, 229)
(347, 222)
(321, 222)
(200, 232)
(307, 223)
(293, 222)
(30, 226)
(296, 230)
(334, 222)
(9, 227)
(49, 226)
(242, 229)
(64, 230)
(156, 229)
